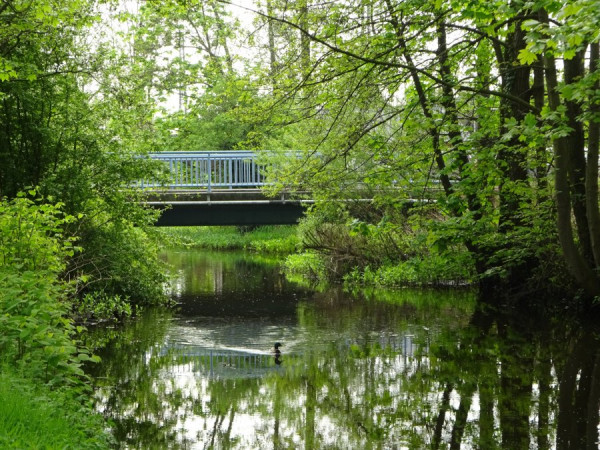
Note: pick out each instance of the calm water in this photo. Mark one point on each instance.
(370, 369)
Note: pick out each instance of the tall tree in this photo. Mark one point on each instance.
(413, 92)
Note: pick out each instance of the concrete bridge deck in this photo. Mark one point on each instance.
(225, 207)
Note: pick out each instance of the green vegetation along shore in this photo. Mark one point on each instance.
(46, 398)
(394, 257)
(280, 239)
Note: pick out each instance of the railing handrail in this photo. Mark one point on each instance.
(210, 169)
(232, 153)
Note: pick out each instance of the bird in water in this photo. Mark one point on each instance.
(276, 352)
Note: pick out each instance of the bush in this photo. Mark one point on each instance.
(426, 270)
(119, 260)
(100, 306)
(31, 235)
(309, 265)
(33, 309)
(39, 356)
(392, 252)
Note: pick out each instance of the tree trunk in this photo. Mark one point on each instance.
(574, 70)
(512, 156)
(577, 264)
(271, 35)
(591, 179)
(304, 38)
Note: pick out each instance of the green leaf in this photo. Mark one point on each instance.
(83, 357)
(527, 57)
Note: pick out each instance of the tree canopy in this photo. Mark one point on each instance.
(489, 110)
(494, 103)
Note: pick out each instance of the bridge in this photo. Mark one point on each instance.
(217, 188)
(226, 188)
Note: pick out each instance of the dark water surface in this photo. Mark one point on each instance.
(370, 369)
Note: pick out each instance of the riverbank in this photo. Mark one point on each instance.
(46, 396)
(281, 239)
(424, 268)
(32, 415)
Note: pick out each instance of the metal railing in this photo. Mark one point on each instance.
(209, 170)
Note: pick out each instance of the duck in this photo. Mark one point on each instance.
(275, 350)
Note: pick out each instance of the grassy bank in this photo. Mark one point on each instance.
(33, 416)
(266, 239)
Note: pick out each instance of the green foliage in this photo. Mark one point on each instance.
(33, 309)
(310, 265)
(397, 250)
(41, 358)
(81, 149)
(423, 270)
(31, 235)
(37, 27)
(214, 122)
(32, 416)
(120, 261)
(36, 333)
(473, 129)
(99, 306)
(264, 239)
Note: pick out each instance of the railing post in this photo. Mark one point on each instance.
(230, 182)
(209, 164)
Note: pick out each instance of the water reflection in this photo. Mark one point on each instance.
(370, 370)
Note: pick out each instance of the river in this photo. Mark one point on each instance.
(366, 369)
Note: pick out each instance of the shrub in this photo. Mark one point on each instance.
(100, 306)
(395, 251)
(33, 309)
(425, 270)
(31, 235)
(120, 260)
(308, 264)
(40, 359)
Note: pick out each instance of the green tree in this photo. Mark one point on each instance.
(430, 94)
(67, 130)
(181, 59)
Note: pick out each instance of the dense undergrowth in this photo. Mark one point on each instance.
(46, 285)
(389, 251)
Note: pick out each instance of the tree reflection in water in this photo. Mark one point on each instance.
(399, 375)
(499, 382)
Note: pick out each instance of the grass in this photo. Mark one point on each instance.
(34, 417)
(265, 239)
